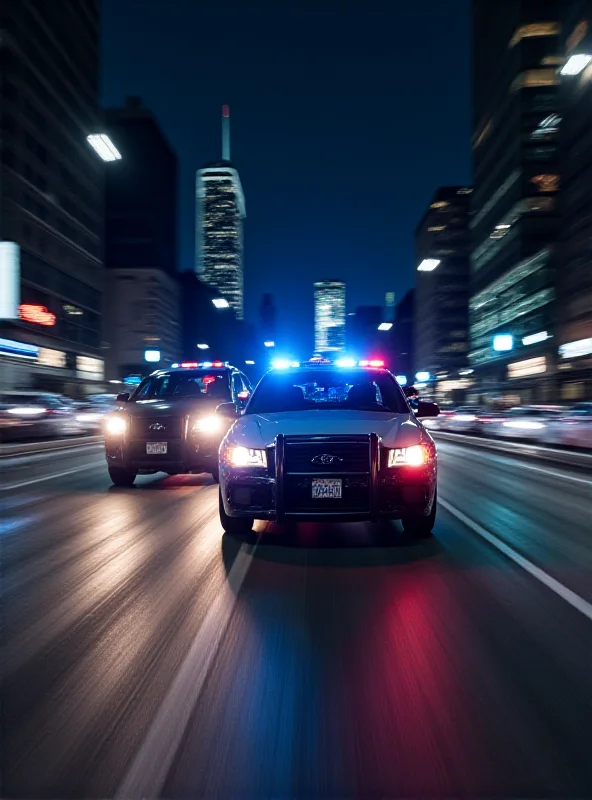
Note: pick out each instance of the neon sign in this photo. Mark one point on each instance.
(37, 314)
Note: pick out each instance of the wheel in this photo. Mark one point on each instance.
(122, 477)
(421, 526)
(215, 473)
(233, 525)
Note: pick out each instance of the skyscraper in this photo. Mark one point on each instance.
(329, 305)
(220, 205)
(51, 191)
(516, 178)
(574, 284)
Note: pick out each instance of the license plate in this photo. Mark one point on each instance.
(156, 448)
(326, 488)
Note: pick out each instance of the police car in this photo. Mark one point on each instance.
(170, 422)
(329, 442)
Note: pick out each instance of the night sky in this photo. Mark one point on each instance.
(345, 118)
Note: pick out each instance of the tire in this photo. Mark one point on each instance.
(421, 527)
(215, 473)
(236, 526)
(122, 477)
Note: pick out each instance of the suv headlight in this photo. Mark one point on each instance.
(211, 424)
(115, 426)
(238, 456)
(415, 456)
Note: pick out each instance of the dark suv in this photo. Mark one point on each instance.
(172, 422)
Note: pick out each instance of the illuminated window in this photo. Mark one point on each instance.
(552, 61)
(533, 30)
(546, 182)
(439, 204)
(532, 78)
(435, 228)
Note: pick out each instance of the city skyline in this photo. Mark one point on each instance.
(337, 168)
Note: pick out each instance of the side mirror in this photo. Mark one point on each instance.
(123, 397)
(228, 410)
(425, 409)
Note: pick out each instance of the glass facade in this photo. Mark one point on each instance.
(220, 213)
(329, 306)
(515, 215)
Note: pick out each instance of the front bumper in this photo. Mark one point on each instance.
(275, 494)
(189, 454)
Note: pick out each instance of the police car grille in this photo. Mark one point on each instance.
(327, 455)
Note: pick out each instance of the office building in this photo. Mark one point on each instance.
(515, 215)
(574, 279)
(220, 211)
(51, 196)
(329, 316)
(143, 310)
(442, 256)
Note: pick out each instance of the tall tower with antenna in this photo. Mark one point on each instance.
(220, 211)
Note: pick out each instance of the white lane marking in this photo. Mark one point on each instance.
(19, 485)
(583, 606)
(149, 769)
(509, 459)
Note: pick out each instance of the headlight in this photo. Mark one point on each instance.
(207, 425)
(115, 426)
(414, 456)
(245, 457)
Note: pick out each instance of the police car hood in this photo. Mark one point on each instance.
(259, 430)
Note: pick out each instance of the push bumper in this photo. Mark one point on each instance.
(384, 493)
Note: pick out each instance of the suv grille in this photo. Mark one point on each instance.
(173, 428)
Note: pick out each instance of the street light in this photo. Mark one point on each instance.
(103, 146)
(269, 344)
(428, 265)
(221, 302)
(250, 363)
(203, 346)
(575, 64)
(385, 326)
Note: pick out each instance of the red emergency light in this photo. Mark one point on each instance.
(189, 364)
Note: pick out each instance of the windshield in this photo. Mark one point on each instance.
(306, 390)
(203, 384)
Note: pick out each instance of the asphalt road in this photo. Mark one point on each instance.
(144, 654)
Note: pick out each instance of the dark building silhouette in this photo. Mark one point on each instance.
(363, 337)
(515, 218)
(442, 246)
(143, 303)
(574, 279)
(51, 188)
(268, 319)
(404, 335)
(140, 191)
